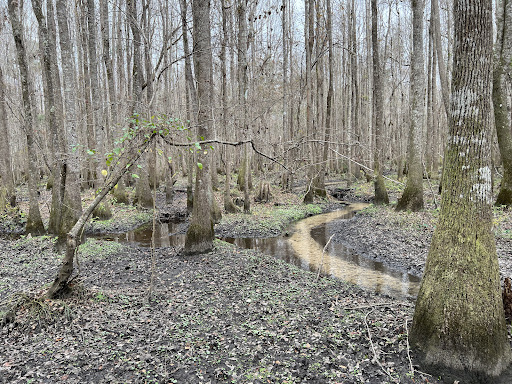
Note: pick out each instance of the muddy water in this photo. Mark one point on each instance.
(304, 248)
(166, 235)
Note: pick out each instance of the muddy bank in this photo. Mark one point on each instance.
(401, 240)
(226, 316)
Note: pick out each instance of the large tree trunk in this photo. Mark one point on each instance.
(502, 73)
(353, 132)
(459, 322)
(107, 59)
(200, 235)
(412, 198)
(34, 221)
(381, 194)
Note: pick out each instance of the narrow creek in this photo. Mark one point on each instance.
(304, 248)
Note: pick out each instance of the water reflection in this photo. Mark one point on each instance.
(303, 249)
(166, 235)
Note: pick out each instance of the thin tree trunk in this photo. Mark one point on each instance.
(501, 75)
(7, 192)
(132, 153)
(143, 196)
(381, 195)
(443, 76)
(34, 221)
(72, 202)
(412, 198)
(242, 99)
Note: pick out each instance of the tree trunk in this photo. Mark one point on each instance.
(200, 235)
(191, 100)
(6, 178)
(502, 73)
(72, 204)
(143, 196)
(459, 321)
(53, 111)
(445, 88)
(381, 194)
(330, 90)
(412, 198)
(242, 99)
(34, 221)
(95, 93)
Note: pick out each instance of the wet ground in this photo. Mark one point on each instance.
(232, 315)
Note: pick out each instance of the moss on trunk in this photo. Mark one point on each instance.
(381, 194)
(412, 199)
(459, 321)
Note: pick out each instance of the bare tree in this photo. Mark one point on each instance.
(412, 197)
(34, 221)
(501, 76)
(381, 194)
(7, 192)
(462, 274)
(200, 234)
(72, 204)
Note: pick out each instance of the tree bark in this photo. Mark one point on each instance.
(72, 204)
(501, 75)
(381, 194)
(34, 221)
(6, 179)
(412, 197)
(200, 235)
(443, 75)
(143, 196)
(244, 174)
(461, 279)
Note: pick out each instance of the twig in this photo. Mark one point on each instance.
(376, 305)
(231, 143)
(375, 357)
(364, 166)
(408, 348)
(322, 258)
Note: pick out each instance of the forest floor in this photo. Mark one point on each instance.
(228, 316)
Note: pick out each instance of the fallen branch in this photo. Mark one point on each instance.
(377, 305)
(375, 356)
(408, 348)
(322, 258)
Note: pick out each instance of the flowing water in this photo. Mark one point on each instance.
(305, 249)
